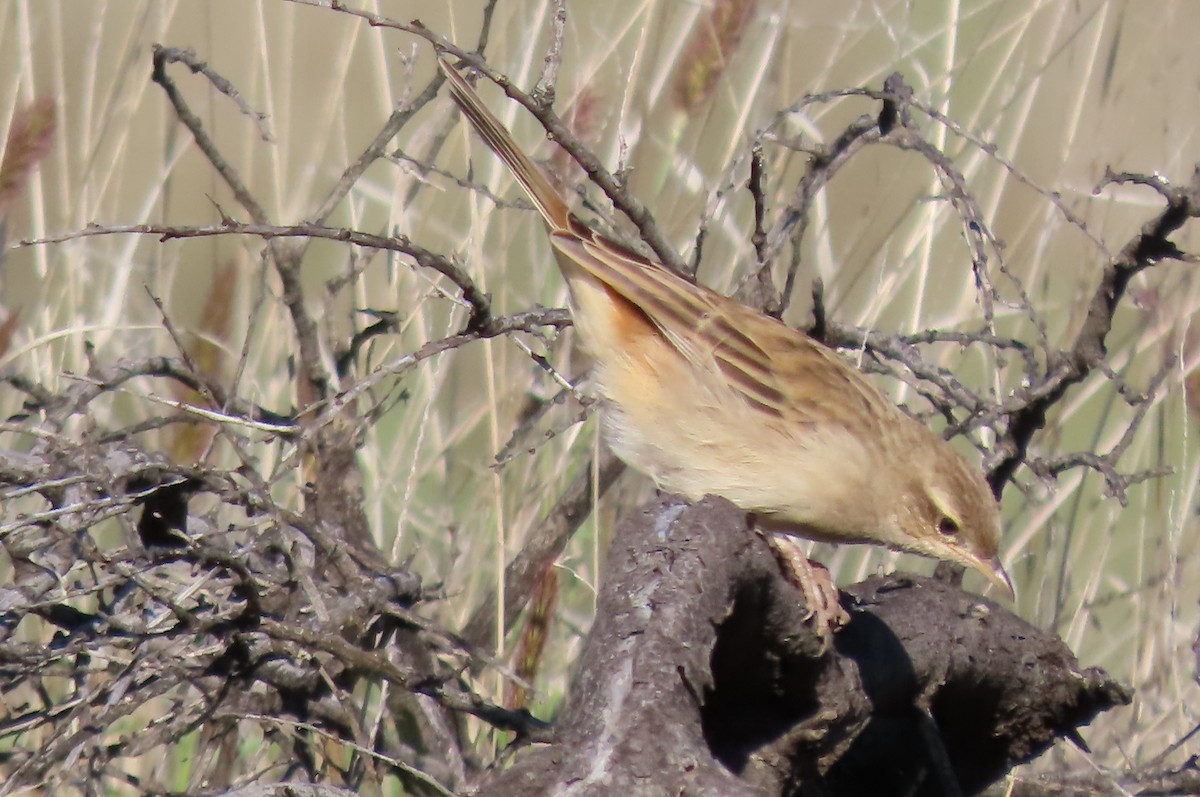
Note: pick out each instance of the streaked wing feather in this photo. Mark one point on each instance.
(773, 367)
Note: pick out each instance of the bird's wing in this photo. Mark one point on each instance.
(774, 368)
(769, 365)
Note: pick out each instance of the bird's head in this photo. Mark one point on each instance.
(946, 511)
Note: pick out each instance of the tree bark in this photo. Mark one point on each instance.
(701, 677)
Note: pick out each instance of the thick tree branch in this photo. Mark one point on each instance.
(702, 675)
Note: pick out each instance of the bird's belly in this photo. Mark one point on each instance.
(696, 438)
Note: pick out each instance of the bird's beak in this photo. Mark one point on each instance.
(994, 572)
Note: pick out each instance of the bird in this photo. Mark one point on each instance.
(709, 396)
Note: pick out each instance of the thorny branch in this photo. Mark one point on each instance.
(1047, 373)
(207, 591)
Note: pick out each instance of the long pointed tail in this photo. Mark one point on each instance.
(548, 200)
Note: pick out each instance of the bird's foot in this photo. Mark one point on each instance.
(821, 595)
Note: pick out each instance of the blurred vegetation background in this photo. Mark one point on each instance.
(1063, 90)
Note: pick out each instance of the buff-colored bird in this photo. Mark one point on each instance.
(708, 396)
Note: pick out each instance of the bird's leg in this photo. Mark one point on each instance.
(814, 582)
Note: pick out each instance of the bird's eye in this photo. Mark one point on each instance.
(947, 526)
